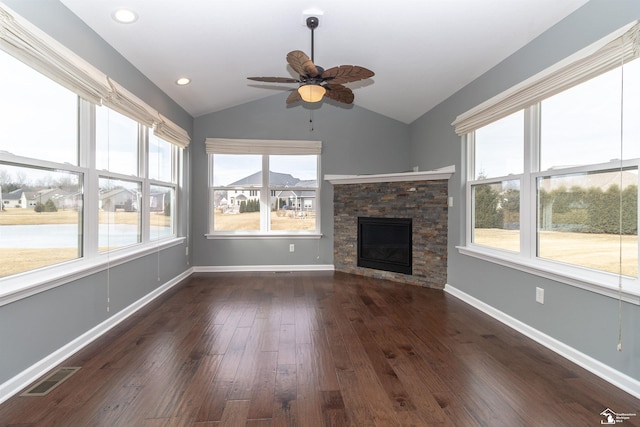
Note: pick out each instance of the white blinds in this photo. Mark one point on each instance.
(260, 146)
(171, 132)
(37, 49)
(608, 53)
(124, 102)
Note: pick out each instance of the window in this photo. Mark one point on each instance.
(162, 172)
(86, 167)
(119, 213)
(28, 98)
(40, 183)
(554, 185)
(41, 217)
(495, 194)
(45, 175)
(117, 141)
(265, 191)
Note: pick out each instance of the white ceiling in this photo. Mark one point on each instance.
(421, 51)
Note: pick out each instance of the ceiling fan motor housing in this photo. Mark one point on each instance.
(312, 22)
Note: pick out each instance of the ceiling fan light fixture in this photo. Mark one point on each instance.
(311, 92)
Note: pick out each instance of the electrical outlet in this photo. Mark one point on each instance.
(450, 201)
(540, 295)
(292, 247)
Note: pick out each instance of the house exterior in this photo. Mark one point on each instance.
(119, 199)
(289, 195)
(13, 199)
(61, 198)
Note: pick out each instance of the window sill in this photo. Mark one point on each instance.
(19, 286)
(263, 236)
(591, 280)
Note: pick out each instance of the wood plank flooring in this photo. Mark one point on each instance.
(317, 349)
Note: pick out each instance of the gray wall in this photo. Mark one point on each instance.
(354, 141)
(583, 320)
(34, 327)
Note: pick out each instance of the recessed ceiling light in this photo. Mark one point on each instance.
(125, 16)
(182, 81)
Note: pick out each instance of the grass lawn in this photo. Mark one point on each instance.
(251, 221)
(19, 216)
(18, 260)
(597, 251)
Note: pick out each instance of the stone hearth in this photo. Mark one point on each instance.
(424, 200)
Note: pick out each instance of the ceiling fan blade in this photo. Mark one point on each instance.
(294, 97)
(301, 63)
(274, 79)
(346, 74)
(339, 93)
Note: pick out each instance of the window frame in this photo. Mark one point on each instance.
(39, 51)
(20, 285)
(263, 148)
(599, 281)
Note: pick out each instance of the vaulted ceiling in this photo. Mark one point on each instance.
(422, 52)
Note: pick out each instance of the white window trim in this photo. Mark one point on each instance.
(611, 51)
(37, 49)
(526, 260)
(601, 282)
(592, 280)
(264, 148)
(16, 287)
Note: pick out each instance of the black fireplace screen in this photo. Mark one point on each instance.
(385, 244)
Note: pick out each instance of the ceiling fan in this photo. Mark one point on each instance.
(316, 82)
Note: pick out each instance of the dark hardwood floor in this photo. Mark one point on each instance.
(313, 349)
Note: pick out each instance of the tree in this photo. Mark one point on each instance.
(50, 206)
(511, 205)
(630, 210)
(487, 207)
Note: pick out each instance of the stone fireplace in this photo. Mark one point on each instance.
(420, 196)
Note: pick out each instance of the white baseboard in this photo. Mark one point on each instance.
(252, 268)
(35, 371)
(613, 376)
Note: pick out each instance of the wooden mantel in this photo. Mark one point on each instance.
(436, 174)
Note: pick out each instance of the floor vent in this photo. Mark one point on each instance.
(50, 382)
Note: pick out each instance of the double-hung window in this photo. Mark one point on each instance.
(552, 179)
(85, 166)
(41, 179)
(162, 172)
(262, 187)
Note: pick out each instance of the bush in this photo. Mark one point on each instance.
(50, 206)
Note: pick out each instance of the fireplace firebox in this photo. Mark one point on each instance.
(385, 244)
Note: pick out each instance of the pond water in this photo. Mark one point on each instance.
(67, 235)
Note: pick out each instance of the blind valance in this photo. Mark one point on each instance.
(29, 44)
(606, 54)
(171, 132)
(124, 102)
(34, 47)
(261, 146)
